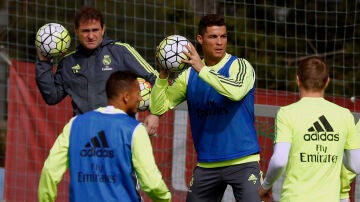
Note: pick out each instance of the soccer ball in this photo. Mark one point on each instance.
(53, 40)
(170, 53)
(145, 90)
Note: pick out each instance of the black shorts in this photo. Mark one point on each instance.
(209, 184)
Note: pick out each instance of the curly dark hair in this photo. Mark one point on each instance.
(210, 20)
(88, 13)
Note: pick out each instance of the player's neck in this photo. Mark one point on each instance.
(212, 61)
(307, 93)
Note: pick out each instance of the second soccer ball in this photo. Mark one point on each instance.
(145, 90)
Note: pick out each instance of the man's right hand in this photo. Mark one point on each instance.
(265, 195)
(40, 56)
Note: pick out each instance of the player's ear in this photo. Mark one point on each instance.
(327, 82)
(199, 39)
(298, 80)
(103, 30)
(76, 30)
(126, 97)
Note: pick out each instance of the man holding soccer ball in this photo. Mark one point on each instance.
(82, 74)
(219, 90)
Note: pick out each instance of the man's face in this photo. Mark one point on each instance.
(213, 43)
(90, 34)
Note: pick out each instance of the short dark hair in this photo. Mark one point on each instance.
(88, 13)
(210, 20)
(119, 82)
(313, 73)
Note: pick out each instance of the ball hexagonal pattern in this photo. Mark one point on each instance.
(170, 53)
(145, 90)
(53, 40)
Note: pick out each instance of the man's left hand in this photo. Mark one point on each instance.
(152, 123)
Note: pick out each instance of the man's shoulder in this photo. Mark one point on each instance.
(107, 40)
(121, 44)
(111, 42)
(117, 47)
(68, 54)
(237, 61)
(229, 55)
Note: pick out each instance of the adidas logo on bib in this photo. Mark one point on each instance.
(97, 147)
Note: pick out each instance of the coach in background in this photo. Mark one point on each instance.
(219, 91)
(82, 74)
(107, 151)
(311, 138)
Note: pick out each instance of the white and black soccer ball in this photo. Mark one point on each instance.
(170, 53)
(53, 40)
(145, 90)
